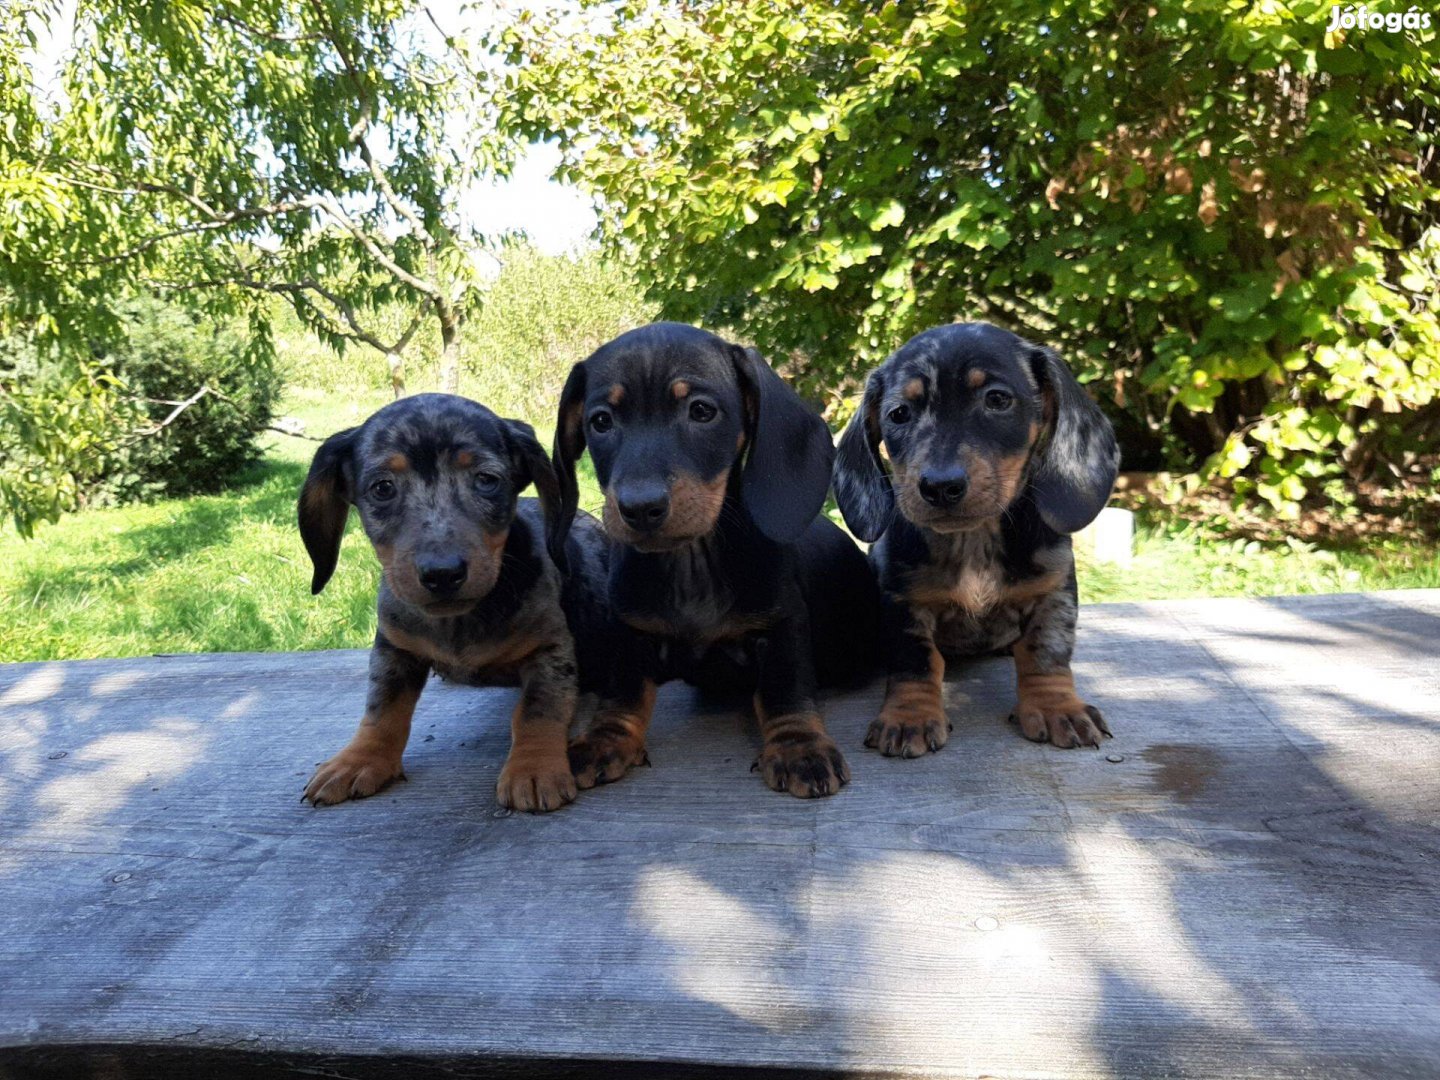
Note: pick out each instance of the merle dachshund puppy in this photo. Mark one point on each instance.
(995, 456)
(714, 472)
(468, 589)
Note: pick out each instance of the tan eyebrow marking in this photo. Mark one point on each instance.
(464, 459)
(680, 388)
(975, 379)
(914, 389)
(397, 463)
(616, 395)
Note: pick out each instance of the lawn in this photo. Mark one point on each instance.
(228, 572)
(206, 574)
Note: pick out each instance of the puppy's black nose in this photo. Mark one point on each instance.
(944, 486)
(644, 507)
(442, 575)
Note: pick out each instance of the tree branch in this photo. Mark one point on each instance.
(368, 243)
(180, 407)
(345, 309)
(214, 222)
(268, 35)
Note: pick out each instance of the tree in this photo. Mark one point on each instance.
(223, 152)
(1222, 213)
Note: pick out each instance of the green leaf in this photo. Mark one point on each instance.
(890, 213)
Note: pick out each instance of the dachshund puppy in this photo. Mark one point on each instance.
(714, 473)
(996, 455)
(468, 588)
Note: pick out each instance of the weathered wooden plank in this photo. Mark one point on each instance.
(1243, 883)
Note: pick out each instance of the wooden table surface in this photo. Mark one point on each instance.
(1245, 881)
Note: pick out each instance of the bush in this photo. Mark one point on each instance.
(165, 356)
(1221, 213)
(97, 429)
(57, 424)
(540, 314)
(543, 314)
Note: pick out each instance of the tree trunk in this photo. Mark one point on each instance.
(397, 373)
(450, 351)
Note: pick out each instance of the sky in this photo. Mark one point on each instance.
(556, 217)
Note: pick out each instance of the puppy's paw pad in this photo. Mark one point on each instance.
(807, 769)
(352, 774)
(907, 737)
(1067, 726)
(535, 787)
(603, 758)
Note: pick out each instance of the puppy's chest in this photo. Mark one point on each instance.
(976, 601)
(466, 652)
(687, 597)
(695, 612)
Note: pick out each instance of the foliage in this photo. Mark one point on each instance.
(542, 315)
(202, 398)
(56, 425)
(1222, 214)
(177, 410)
(305, 361)
(206, 573)
(223, 153)
(227, 572)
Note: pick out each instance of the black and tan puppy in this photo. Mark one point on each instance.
(467, 590)
(996, 455)
(714, 472)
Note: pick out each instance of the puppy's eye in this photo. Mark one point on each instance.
(998, 400)
(487, 482)
(382, 490)
(702, 412)
(900, 414)
(601, 422)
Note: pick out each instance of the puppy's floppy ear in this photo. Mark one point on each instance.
(531, 465)
(1078, 458)
(569, 445)
(862, 486)
(787, 469)
(325, 503)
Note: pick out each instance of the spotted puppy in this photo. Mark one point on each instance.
(468, 589)
(995, 456)
(714, 472)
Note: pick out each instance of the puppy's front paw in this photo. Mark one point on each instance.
(535, 784)
(354, 773)
(806, 767)
(599, 757)
(907, 734)
(912, 722)
(1066, 724)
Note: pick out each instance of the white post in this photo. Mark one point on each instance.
(1110, 537)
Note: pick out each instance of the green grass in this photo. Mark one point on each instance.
(212, 573)
(1172, 562)
(228, 572)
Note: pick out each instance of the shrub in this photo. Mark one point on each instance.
(543, 314)
(164, 357)
(1221, 212)
(57, 424)
(303, 360)
(108, 427)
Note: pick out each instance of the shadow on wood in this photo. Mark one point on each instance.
(1244, 881)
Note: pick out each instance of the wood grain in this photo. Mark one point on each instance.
(1251, 890)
